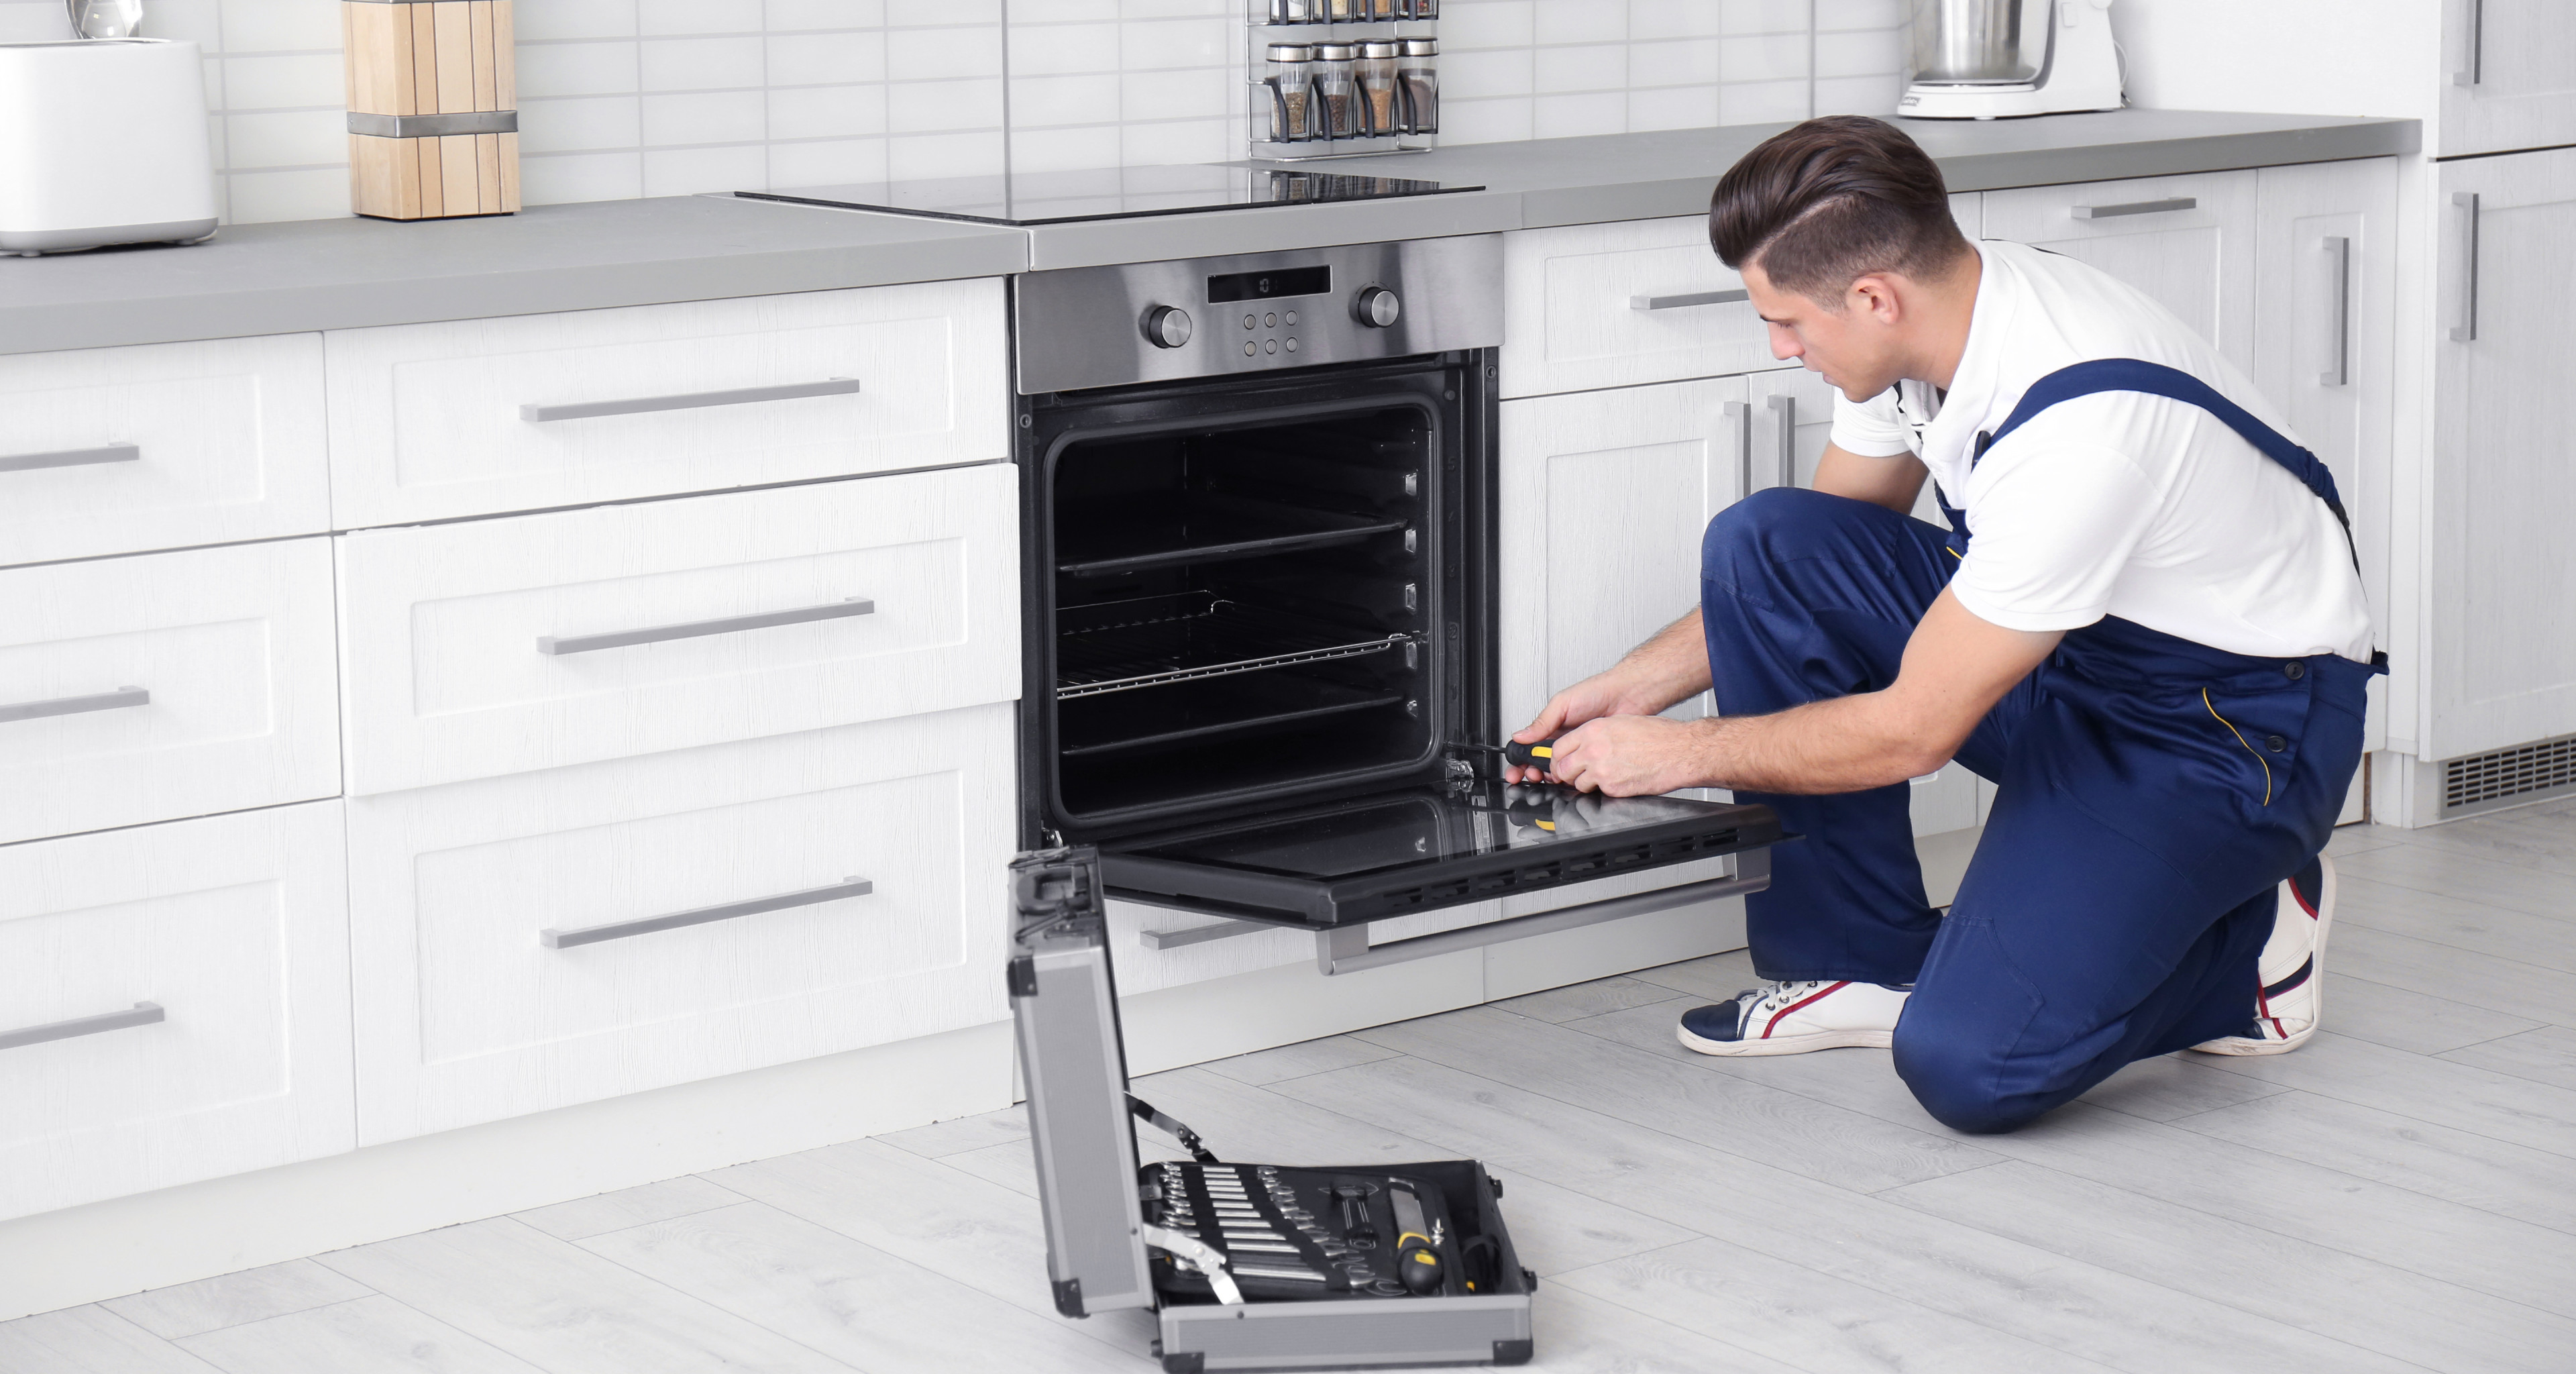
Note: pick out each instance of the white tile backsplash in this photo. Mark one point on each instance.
(622, 98)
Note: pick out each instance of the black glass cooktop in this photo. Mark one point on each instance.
(1110, 193)
(1418, 849)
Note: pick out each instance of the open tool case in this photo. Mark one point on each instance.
(1248, 1266)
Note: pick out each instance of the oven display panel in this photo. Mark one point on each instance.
(1265, 286)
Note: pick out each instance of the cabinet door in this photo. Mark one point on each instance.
(2502, 608)
(1599, 305)
(2186, 241)
(1604, 498)
(174, 1005)
(2325, 260)
(2508, 75)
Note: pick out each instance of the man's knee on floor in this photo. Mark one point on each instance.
(1957, 1082)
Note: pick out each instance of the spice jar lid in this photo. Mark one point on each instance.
(1422, 47)
(1334, 52)
(1381, 47)
(1291, 52)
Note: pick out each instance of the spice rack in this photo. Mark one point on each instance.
(1343, 78)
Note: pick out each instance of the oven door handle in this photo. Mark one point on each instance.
(1345, 949)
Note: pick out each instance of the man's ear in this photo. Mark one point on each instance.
(1876, 295)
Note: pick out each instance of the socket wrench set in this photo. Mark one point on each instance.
(1246, 1266)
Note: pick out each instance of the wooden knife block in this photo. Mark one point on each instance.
(433, 118)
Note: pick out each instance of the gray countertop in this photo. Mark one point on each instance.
(350, 273)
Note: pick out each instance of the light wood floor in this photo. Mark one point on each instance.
(2400, 1194)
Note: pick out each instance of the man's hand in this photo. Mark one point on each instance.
(1671, 667)
(1632, 756)
(1595, 698)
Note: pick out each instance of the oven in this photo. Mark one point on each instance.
(1258, 587)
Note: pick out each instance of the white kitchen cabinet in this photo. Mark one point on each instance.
(1604, 497)
(2325, 257)
(1792, 418)
(2501, 592)
(704, 912)
(480, 417)
(2508, 75)
(174, 1005)
(502, 646)
(159, 686)
(161, 446)
(2186, 241)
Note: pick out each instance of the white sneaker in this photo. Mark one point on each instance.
(2290, 977)
(1793, 1018)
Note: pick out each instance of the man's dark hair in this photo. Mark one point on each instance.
(1830, 201)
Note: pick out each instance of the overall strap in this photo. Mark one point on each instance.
(2155, 379)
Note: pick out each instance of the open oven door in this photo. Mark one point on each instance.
(1335, 866)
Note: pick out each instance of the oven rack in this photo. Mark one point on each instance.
(1152, 641)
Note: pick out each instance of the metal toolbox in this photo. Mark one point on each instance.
(1247, 1266)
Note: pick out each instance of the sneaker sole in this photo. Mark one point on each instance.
(2246, 1045)
(1787, 1044)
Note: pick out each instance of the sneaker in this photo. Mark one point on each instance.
(2291, 982)
(1793, 1018)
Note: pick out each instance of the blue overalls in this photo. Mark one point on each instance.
(2152, 794)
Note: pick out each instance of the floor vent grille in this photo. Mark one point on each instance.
(2509, 777)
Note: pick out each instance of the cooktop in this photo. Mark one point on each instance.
(1027, 198)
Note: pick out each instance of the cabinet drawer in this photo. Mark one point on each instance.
(232, 932)
(120, 450)
(466, 1014)
(431, 421)
(1601, 305)
(503, 646)
(2187, 241)
(167, 685)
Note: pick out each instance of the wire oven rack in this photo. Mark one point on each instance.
(1150, 641)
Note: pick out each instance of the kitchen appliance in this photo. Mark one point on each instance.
(2004, 59)
(1028, 198)
(103, 141)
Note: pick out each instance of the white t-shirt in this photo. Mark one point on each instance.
(2122, 504)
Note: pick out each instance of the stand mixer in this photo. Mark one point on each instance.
(2004, 59)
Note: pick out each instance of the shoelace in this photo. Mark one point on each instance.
(1779, 995)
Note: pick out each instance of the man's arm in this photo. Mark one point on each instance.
(1672, 666)
(1891, 482)
(1956, 667)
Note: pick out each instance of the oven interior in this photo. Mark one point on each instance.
(1242, 606)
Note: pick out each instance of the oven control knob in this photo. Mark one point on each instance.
(1167, 326)
(1377, 307)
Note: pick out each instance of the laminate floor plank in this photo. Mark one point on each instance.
(1710, 978)
(1796, 1223)
(959, 1134)
(2406, 1152)
(1296, 1061)
(369, 1335)
(2549, 942)
(2546, 1055)
(564, 1309)
(2503, 839)
(851, 1301)
(1797, 1133)
(90, 1340)
(1729, 1291)
(2439, 1091)
(1577, 1333)
(590, 1216)
(1576, 1001)
(2402, 1019)
(2361, 839)
(2436, 1325)
(2510, 986)
(951, 1223)
(249, 1295)
(1240, 1121)
(2448, 867)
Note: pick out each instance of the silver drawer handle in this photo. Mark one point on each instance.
(1198, 935)
(1742, 414)
(2339, 247)
(71, 457)
(1691, 299)
(619, 930)
(72, 706)
(1785, 455)
(654, 634)
(2476, 71)
(2466, 331)
(144, 1014)
(2135, 207)
(694, 400)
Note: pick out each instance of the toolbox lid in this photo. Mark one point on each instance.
(1065, 1007)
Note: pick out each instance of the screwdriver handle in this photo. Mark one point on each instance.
(1540, 755)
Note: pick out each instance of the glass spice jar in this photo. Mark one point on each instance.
(1338, 116)
(1417, 77)
(1289, 84)
(1376, 76)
